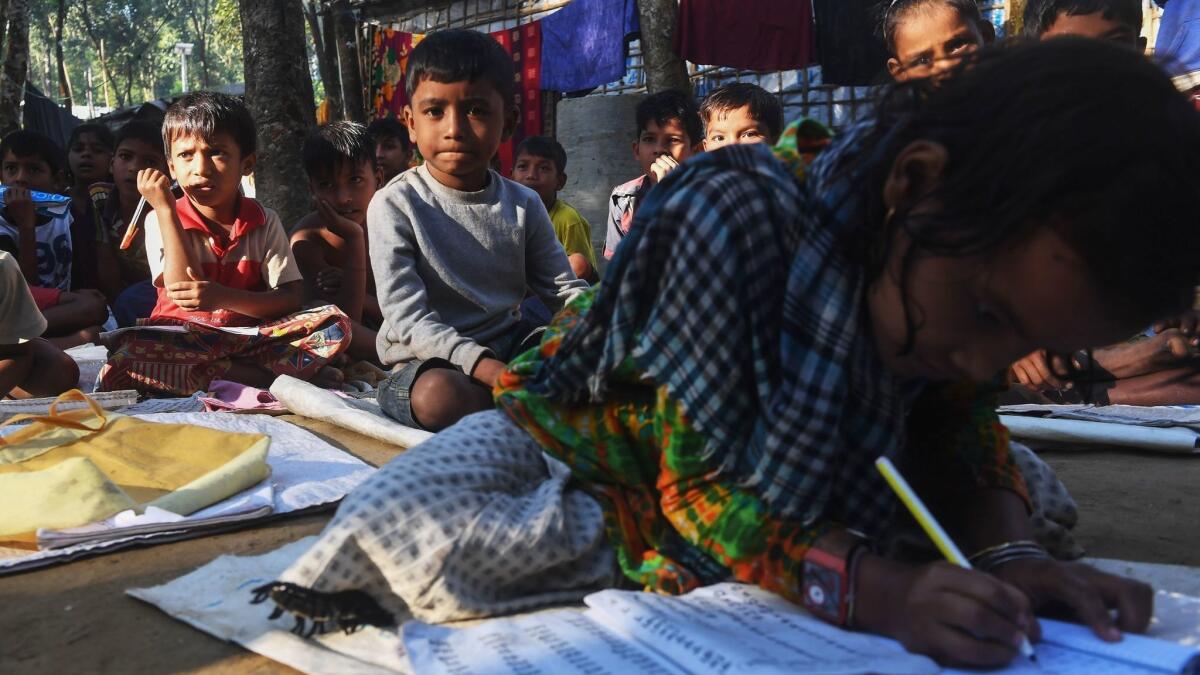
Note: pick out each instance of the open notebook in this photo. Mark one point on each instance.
(732, 628)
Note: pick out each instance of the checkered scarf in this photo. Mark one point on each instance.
(735, 290)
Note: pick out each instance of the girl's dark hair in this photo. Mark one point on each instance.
(101, 132)
(1082, 136)
(892, 13)
(458, 55)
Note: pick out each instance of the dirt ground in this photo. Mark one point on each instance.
(76, 618)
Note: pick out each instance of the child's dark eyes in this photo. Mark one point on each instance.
(432, 112)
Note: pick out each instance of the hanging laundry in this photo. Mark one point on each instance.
(747, 34)
(524, 43)
(849, 48)
(389, 60)
(1178, 45)
(585, 43)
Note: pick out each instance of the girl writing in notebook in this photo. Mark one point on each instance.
(713, 410)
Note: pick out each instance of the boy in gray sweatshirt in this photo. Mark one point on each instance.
(454, 246)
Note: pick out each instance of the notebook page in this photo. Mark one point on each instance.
(1132, 650)
(733, 628)
(555, 642)
(1071, 648)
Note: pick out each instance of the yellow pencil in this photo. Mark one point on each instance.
(931, 526)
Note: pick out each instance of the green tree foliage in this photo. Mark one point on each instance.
(128, 47)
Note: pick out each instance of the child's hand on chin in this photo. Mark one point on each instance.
(961, 617)
(1083, 593)
(337, 223)
(197, 294)
(156, 188)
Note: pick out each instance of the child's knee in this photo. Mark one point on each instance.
(441, 397)
(53, 371)
(90, 305)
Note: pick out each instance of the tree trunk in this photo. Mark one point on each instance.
(108, 102)
(3, 20)
(279, 94)
(16, 66)
(202, 57)
(1015, 23)
(201, 15)
(333, 88)
(329, 78)
(348, 67)
(128, 83)
(65, 95)
(98, 43)
(664, 69)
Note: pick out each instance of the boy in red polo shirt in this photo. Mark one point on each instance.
(220, 261)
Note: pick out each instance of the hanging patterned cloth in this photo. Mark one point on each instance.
(389, 60)
(524, 43)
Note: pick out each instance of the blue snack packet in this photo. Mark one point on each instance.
(45, 203)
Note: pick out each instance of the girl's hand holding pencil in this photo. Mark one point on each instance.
(968, 617)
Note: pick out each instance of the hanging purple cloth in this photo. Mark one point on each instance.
(583, 44)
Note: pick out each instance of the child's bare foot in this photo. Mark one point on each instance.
(328, 378)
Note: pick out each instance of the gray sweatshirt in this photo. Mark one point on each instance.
(451, 268)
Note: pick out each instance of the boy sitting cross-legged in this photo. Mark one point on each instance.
(454, 245)
(43, 243)
(330, 244)
(541, 166)
(219, 260)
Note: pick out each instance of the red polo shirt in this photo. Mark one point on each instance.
(254, 255)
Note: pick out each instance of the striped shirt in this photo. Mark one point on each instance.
(254, 255)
